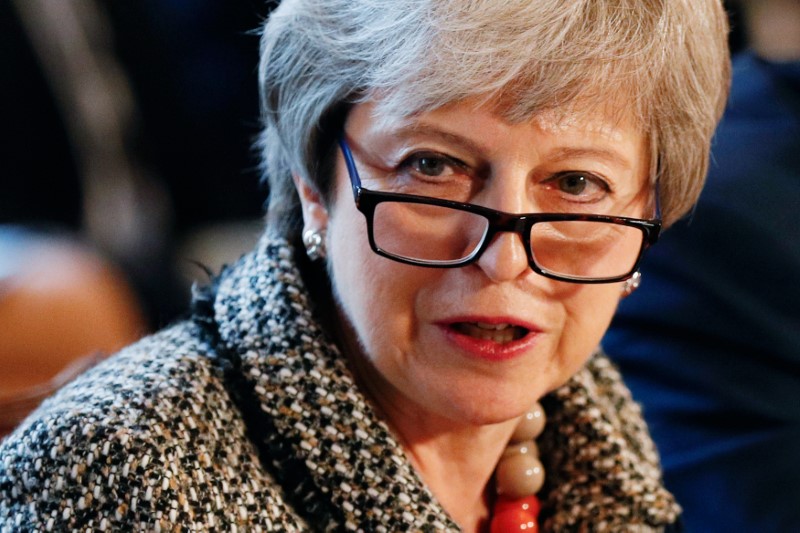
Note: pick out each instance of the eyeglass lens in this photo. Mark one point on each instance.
(442, 235)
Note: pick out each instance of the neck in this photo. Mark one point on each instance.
(456, 463)
(774, 28)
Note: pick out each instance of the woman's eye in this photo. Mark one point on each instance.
(429, 164)
(433, 174)
(579, 185)
(573, 184)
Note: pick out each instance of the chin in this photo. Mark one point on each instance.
(485, 407)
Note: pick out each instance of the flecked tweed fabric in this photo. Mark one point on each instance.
(246, 419)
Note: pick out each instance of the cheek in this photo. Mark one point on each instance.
(588, 314)
(348, 255)
(372, 292)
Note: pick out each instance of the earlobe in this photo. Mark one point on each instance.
(315, 213)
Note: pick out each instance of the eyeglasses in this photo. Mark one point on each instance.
(438, 233)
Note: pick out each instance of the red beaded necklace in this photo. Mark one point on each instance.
(518, 477)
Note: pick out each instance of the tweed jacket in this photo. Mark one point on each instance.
(246, 418)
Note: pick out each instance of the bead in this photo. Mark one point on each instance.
(527, 447)
(513, 520)
(530, 425)
(529, 504)
(519, 475)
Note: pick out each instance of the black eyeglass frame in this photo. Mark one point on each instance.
(499, 221)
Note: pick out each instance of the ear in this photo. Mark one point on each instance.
(315, 214)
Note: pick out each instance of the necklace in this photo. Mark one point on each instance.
(518, 477)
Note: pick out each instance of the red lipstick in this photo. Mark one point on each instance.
(490, 338)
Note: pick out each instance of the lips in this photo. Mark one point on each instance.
(492, 338)
(500, 333)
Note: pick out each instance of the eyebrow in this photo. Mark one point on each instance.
(558, 154)
(435, 132)
(569, 152)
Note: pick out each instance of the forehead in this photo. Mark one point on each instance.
(608, 122)
(603, 123)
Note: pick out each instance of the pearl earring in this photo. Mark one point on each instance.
(314, 241)
(631, 284)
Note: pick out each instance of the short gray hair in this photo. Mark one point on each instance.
(666, 60)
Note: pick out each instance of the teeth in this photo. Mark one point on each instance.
(499, 333)
(498, 327)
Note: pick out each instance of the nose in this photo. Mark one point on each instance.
(505, 259)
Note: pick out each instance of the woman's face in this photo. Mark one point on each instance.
(480, 343)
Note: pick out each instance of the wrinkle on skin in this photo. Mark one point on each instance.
(559, 122)
(390, 139)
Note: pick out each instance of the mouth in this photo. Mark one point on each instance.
(491, 338)
(502, 333)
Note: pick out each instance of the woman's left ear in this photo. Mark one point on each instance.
(315, 218)
(315, 214)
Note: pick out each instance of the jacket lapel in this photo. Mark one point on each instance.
(306, 393)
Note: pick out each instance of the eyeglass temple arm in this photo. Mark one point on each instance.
(355, 179)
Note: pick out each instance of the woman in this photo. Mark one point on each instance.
(372, 370)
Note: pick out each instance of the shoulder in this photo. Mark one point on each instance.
(148, 439)
(600, 460)
(148, 379)
(596, 400)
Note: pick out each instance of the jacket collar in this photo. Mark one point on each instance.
(306, 391)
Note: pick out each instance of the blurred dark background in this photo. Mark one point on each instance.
(184, 79)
